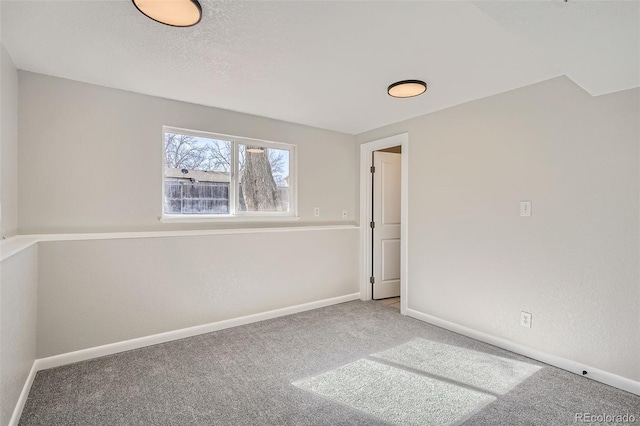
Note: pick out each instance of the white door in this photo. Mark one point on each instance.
(386, 225)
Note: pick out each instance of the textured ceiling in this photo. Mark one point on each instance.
(595, 43)
(327, 64)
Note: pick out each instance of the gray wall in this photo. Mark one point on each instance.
(91, 158)
(18, 294)
(574, 263)
(97, 292)
(91, 161)
(8, 144)
(18, 274)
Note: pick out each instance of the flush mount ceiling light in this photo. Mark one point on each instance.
(407, 88)
(177, 13)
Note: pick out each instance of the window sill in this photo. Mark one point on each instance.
(226, 219)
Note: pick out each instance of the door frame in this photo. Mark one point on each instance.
(366, 188)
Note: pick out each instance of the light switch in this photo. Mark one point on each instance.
(525, 208)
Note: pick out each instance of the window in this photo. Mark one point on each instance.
(208, 175)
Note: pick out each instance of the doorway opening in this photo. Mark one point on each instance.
(385, 223)
(383, 219)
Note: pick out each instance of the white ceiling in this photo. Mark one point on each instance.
(327, 64)
(595, 43)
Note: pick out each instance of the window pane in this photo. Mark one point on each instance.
(264, 179)
(197, 175)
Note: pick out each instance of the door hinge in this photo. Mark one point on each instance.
(373, 169)
(372, 225)
(372, 280)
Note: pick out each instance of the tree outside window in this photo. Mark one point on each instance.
(200, 177)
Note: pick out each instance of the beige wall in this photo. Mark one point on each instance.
(91, 158)
(8, 144)
(18, 294)
(574, 264)
(91, 161)
(97, 292)
(18, 274)
(472, 260)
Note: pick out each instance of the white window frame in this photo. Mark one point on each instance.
(234, 185)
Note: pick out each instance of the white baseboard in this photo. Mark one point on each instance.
(563, 363)
(127, 345)
(22, 399)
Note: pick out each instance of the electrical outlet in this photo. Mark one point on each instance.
(525, 208)
(316, 211)
(525, 319)
(345, 214)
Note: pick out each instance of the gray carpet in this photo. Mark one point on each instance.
(243, 376)
(397, 396)
(484, 371)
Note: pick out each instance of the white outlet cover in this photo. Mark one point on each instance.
(525, 208)
(525, 319)
(345, 214)
(316, 211)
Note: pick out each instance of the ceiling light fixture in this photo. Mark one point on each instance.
(407, 88)
(176, 13)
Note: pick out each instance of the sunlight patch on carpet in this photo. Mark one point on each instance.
(396, 396)
(465, 366)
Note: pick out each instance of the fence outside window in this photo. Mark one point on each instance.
(185, 197)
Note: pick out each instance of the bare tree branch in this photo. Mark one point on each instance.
(261, 171)
(184, 151)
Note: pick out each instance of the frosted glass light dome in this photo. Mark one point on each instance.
(407, 88)
(177, 13)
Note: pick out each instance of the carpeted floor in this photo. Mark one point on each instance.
(487, 373)
(244, 375)
(397, 396)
